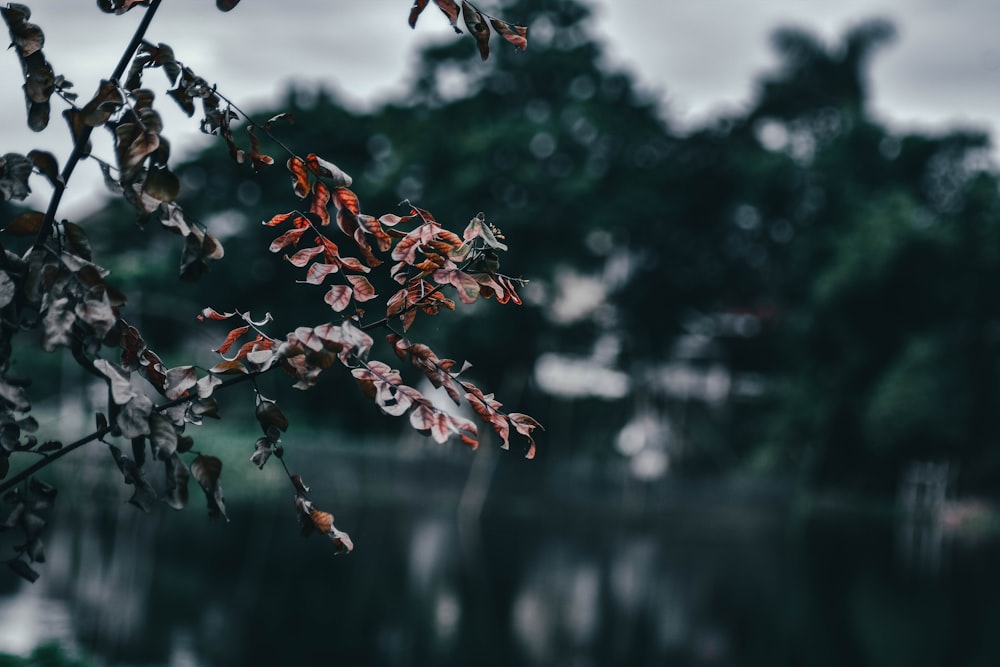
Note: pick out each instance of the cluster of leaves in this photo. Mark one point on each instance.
(55, 289)
(477, 22)
(40, 80)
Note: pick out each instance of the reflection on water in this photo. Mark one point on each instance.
(486, 561)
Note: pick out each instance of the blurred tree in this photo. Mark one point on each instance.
(794, 285)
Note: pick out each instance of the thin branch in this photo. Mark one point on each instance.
(80, 146)
(10, 483)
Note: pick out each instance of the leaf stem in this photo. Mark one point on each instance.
(10, 483)
(80, 145)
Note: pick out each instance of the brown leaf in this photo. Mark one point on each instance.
(46, 163)
(478, 27)
(26, 224)
(161, 184)
(450, 9)
(304, 256)
(207, 470)
(257, 159)
(269, 414)
(515, 34)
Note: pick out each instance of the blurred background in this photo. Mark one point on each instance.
(761, 330)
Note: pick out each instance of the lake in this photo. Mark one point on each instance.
(484, 559)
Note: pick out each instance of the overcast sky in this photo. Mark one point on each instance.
(701, 56)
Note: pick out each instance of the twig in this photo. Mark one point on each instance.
(80, 147)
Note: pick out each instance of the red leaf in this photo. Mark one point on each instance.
(291, 237)
(524, 425)
(344, 198)
(339, 297)
(231, 338)
(312, 519)
(320, 202)
(318, 272)
(374, 227)
(302, 257)
(280, 219)
(363, 290)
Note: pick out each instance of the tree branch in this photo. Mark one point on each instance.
(80, 146)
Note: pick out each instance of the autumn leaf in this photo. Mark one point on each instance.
(515, 34)
(231, 338)
(326, 169)
(257, 159)
(207, 470)
(263, 448)
(318, 272)
(363, 290)
(451, 10)
(177, 476)
(179, 380)
(312, 519)
(300, 179)
(26, 224)
(270, 415)
(418, 6)
(212, 314)
(304, 256)
(339, 297)
(46, 163)
(477, 26)
(14, 172)
(162, 436)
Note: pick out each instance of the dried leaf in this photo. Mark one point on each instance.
(515, 34)
(451, 10)
(478, 27)
(177, 482)
(118, 379)
(133, 419)
(207, 470)
(339, 297)
(312, 519)
(363, 290)
(26, 224)
(162, 436)
(418, 6)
